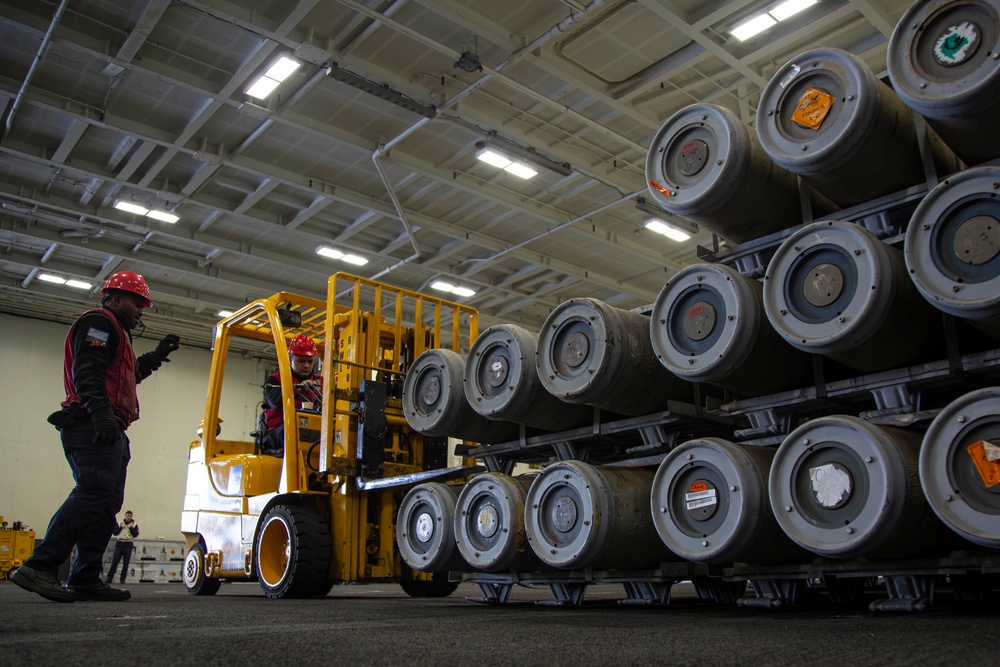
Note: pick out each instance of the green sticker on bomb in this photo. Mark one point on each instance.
(957, 44)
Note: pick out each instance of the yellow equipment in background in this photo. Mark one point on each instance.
(17, 543)
(325, 512)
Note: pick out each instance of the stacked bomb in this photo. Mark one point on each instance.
(833, 288)
(589, 355)
(829, 137)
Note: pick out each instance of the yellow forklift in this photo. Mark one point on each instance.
(324, 512)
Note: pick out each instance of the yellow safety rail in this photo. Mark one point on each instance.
(368, 336)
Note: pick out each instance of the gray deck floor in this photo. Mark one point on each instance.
(380, 625)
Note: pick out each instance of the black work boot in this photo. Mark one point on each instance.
(100, 592)
(45, 584)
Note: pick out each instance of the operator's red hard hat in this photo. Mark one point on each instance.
(127, 281)
(303, 346)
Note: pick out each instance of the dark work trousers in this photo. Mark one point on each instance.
(123, 554)
(87, 516)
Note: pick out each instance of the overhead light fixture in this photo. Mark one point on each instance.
(333, 253)
(265, 84)
(501, 161)
(664, 223)
(139, 209)
(790, 8)
(515, 159)
(130, 207)
(163, 216)
(661, 227)
(224, 313)
(520, 170)
(492, 157)
(329, 252)
(443, 286)
(59, 280)
(356, 260)
(758, 24)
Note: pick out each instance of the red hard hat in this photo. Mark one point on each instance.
(303, 346)
(127, 281)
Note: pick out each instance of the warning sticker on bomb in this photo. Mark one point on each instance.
(700, 499)
(987, 465)
(813, 108)
(956, 44)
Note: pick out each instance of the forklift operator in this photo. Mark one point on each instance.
(302, 354)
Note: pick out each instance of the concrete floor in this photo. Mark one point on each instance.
(380, 625)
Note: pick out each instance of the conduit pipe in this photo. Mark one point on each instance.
(34, 66)
(495, 73)
(385, 148)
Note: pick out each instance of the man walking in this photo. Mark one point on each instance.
(100, 374)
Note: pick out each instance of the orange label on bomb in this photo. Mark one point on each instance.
(659, 188)
(988, 470)
(813, 108)
(697, 486)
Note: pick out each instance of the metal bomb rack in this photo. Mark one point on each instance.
(900, 397)
(867, 469)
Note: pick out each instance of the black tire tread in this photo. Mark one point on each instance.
(311, 554)
(206, 585)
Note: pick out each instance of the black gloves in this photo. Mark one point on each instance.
(168, 344)
(106, 431)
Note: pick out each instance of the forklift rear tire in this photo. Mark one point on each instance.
(293, 553)
(438, 587)
(195, 579)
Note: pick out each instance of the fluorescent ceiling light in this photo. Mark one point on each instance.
(164, 216)
(521, 170)
(129, 207)
(442, 286)
(329, 252)
(283, 68)
(224, 313)
(762, 22)
(262, 87)
(139, 209)
(265, 84)
(790, 8)
(498, 159)
(448, 287)
(78, 284)
(333, 253)
(754, 26)
(660, 227)
(492, 157)
(356, 260)
(49, 278)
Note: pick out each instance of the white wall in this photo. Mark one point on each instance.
(34, 475)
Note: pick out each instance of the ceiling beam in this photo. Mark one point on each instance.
(666, 13)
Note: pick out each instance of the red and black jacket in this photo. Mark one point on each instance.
(100, 369)
(274, 412)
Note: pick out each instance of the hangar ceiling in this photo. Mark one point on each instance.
(368, 148)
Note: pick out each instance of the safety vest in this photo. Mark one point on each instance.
(119, 376)
(274, 418)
